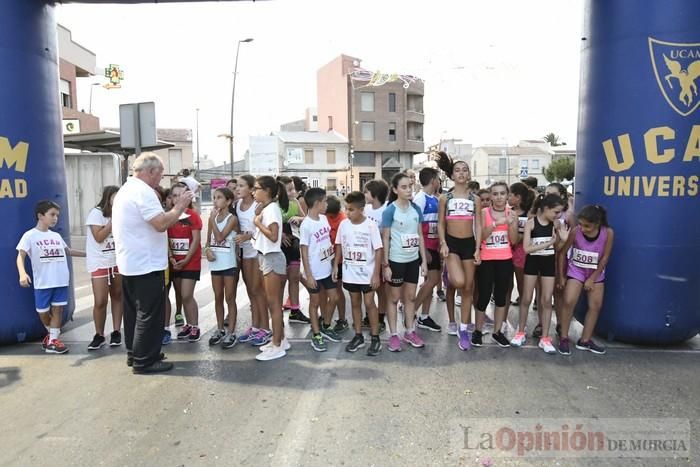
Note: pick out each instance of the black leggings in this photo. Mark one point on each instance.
(495, 276)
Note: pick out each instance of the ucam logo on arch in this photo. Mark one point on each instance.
(13, 159)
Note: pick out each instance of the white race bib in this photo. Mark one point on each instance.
(539, 241)
(180, 246)
(497, 240)
(327, 254)
(219, 247)
(410, 242)
(52, 255)
(355, 256)
(584, 259)
(107, 250)
(432, 230)
(521, 224)
(460, 207)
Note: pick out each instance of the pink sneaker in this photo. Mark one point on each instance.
(414, 339)
(394, 343)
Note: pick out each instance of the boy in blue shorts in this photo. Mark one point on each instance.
(317, 254)
(48, 255)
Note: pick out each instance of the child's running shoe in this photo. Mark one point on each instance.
(330, 334)
(341, 325)
(394, 343)
(262, 337)
(179, 319)
(167, 338)
(414, 339)
(285, 345)
(115, 339)
(318, 344)
(452, 329)
(195, 334)
(441, 295)
(500, 339)
(465, 338)
(546, 345)
(56, 346)
(271, 353)
(477, 338)
(229, 341)
(248, 335)
(356, 343)
(591, 347)
(564, 346)
(217, 336)
(296, 316)
(44, 342)
(537, 332)
(375, 347)
(365, 322)
(518, 340)
(97, 342)
(428, 324)
(184, 332)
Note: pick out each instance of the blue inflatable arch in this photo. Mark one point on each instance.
(638, 155)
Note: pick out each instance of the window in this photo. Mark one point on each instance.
(502, 165)
(392, 131)
(367, 131)
(174, 161)
(308, 156)
(364, 159)
(331, 184)
(330, 156)
(314, 183)
(415, 103)
(367, 101)
(314, 118)
(535, 163)
(330, 122)
(65, 94)
(523, 163)
(392, 102)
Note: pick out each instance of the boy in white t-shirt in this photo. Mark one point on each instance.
(359, 244)
(317, 254)
(48, 255)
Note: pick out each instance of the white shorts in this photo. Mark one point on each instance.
(248, 251)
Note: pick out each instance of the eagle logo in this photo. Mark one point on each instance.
(677, 67)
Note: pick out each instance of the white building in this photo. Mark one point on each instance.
(320, 159)
(511, 163)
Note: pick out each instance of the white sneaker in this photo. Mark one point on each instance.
(546, 345)
(458, 300)
(271, 353)
(519, 339)
(452, 329)
(285, 345)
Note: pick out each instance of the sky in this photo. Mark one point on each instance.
(495, 72)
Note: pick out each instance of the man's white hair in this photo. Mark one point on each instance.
(147, 160)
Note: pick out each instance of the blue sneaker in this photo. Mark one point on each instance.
(167, 338)
(248, 335)
(261, 338)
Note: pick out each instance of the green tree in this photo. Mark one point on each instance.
(560, 169)
(552, 139)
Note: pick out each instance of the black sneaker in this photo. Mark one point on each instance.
(557, 328)
(217, 336)
(365, 322)
(356, 343)
(296, 316)
(591, 347)
(330, 334)
(184, 332)
(130, 359)
(500, 339)
(179, 319)
(226, 321)
(341, 325)
(97, 342)
(382, 326)
(375, 347)
(441, 295)
(428, 324)
(115, 339)
(195, 334)
(516, 302)
(477, 338)
(157, 367)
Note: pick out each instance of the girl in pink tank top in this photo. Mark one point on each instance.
(589, 251)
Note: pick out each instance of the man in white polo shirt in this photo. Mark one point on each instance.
(139, 227)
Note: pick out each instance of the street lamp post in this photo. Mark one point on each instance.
(92, 85)
(233, 98)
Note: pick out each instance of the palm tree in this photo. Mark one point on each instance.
(552, 139)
